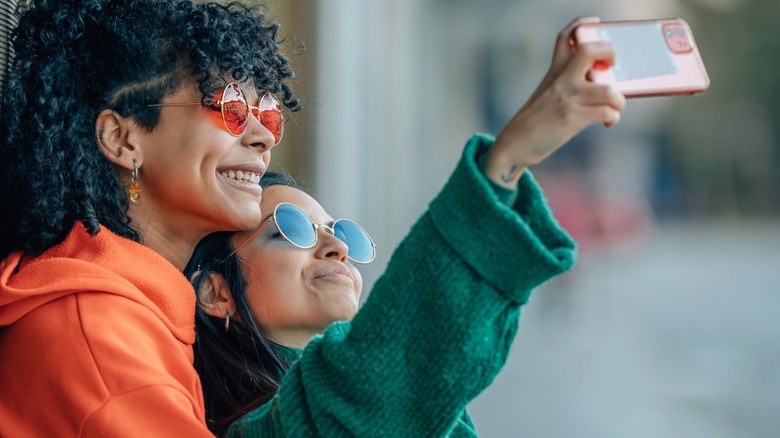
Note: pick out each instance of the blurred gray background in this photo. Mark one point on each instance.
(667, 327)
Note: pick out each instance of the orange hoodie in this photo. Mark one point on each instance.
(96, 339)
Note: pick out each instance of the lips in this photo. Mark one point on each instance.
(336, 272)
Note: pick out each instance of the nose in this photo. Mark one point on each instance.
(330, 246)
(257, 135)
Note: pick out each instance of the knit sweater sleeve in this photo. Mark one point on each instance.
(438, 324)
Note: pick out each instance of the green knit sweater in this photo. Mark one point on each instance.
(437, 326)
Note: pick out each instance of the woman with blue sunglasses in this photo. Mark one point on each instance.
(134, 128)
(432, 334)
(282, 349)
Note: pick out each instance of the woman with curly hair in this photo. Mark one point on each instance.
(282, 349)
(126, 138)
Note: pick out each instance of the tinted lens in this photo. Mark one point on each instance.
(270, 115)
(234, 109)
(295, 226)
(360, 248)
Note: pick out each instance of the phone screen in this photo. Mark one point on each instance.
(640, 51)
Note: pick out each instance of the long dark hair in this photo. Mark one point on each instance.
(239, 368)
(75, 58)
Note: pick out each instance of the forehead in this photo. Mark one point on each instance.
(192, 88)
(275, 195)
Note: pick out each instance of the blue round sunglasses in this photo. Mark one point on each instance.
(298, 228)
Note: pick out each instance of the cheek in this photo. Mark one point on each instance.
(272, 285)
(263, 286)
(358, 281)
(215, 119)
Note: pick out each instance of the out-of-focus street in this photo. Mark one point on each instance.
(668, 326)
(677, 338)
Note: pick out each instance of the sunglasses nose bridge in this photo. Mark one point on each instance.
(257, 135)
(328, 229)
(331, 240)
(252, 115)
(268, 114)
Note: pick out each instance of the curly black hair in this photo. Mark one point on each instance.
(75, 58)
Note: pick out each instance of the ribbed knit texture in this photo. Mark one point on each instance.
(437, 327)
(8, 22)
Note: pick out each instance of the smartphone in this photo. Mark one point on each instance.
(652, 57)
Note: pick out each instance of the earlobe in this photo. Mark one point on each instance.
(112, 137)
(214, 296)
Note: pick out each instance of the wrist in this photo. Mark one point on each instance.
(502, 166)
(501, 169)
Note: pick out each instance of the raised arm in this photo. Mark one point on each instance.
(439, 323)
(437, 326)
(564, 103)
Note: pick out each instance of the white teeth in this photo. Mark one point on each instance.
(241, 175)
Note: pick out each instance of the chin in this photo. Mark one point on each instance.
(351, 315)
(347, 313)
(248, 221)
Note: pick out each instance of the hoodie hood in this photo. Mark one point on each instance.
(106, 263)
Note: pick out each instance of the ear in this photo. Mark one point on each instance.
(115, 140)
(214, 296)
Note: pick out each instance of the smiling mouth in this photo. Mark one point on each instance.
(242, 176)
(337, 274)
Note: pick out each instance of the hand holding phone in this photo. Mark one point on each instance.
(652, 57)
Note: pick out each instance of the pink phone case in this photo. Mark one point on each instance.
(652, 57)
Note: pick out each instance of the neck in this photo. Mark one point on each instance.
(170, 242)
(292, 338)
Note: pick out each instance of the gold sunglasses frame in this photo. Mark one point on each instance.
(278, 108)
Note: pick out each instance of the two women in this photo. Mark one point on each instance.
(438, 324)
(127, 138)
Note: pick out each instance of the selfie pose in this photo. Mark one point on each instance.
(126, 138)
(282, 348)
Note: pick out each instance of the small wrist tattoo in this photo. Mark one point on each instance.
(509, 176)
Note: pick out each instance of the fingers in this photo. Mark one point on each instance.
(560, 111)
(563, 48)
(604, 114)
(601, 104)
(612, 119)
(589, 54)
(565, 34)
(563, 44)
(563, 104)
(596, 94)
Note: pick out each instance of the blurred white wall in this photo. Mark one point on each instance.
(401, 86)
(369, 118)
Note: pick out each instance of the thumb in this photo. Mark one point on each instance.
(598, 55)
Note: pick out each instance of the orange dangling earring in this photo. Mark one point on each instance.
(135, 189)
